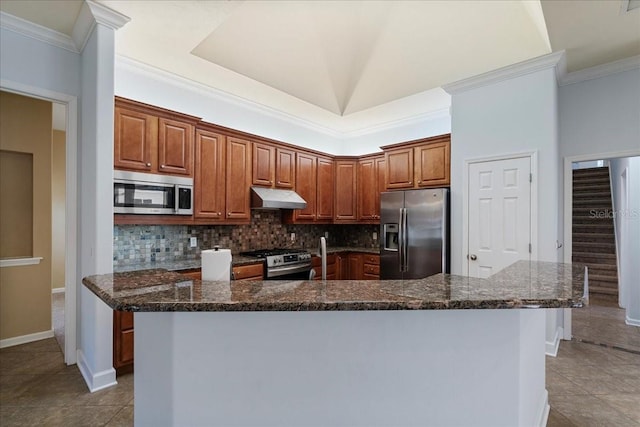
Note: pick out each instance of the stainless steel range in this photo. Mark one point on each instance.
(284, 264)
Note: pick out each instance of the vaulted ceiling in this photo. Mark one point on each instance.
(353, 61)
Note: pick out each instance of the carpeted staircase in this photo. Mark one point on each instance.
(593, 234)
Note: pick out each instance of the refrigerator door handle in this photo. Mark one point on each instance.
(400, 241)
(405, 241)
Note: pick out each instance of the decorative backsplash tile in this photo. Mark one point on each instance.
(134, 244)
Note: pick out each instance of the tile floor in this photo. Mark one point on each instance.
(588, 384)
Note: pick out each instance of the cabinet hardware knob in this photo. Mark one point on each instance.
(419, 182)
(148, 165)
(229, 213)
(162, 166)
(219, 213)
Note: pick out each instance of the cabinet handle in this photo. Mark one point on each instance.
(228, 213)
(148, 165)
(162, 166)
(419, 182)
(219, 213)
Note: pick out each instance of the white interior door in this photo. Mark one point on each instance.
(499, 215)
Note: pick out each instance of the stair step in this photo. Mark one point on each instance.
(595, 226)
(595, 195)
(593, 237)
(586, 210)
(593, 258)
(592, 219)
(603, 279)
(596, 248)
(591, 187)
(602, 290)
(609, 270)
(591, 171)
(593, 203)
(587, 180)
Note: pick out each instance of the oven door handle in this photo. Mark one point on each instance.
(280, 271)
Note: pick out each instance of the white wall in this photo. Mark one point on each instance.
(626, 208)
(513, 116)
(34, 63)
(96, 209)
(600, 115)
(158, 88)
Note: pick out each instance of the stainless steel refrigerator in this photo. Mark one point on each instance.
(414, 230)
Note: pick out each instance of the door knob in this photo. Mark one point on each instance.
(473, 257)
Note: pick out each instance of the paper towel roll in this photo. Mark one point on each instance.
(216, 264)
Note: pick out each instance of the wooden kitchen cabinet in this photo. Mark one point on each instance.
(238, 177)
(264, 164)
(399, 168)
(248, 272)
(135, 139)
(342, 266)
(432, 164)
(370, 267)
(122, 341)
(355, 265)
(285, 168)
(210, 176)
(325, 189)
(151, 139)
(316, 263)
(371, 182)
(419, 164)
(346, 204)
(314, 183)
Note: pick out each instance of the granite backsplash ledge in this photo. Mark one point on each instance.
(133, 244)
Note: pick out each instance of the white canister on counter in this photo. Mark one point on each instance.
(216, 264)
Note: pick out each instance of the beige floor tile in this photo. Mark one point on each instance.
(628, 404)
(23, 363)
(556, 419)
(52, 390)
(124, 418)
(42, 346)
(590, 411)
(62, 416)
(558, 384)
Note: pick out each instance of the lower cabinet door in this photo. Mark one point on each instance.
(122, 341)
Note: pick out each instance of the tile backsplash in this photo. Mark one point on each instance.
(134, 244)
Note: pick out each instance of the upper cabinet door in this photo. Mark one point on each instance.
(263, 164)
(209, 182)
(381, 171)
(432, 164)
(346, 203)
(238, 178)
(399, 168)
(135, 140)
(306, 185)
(285, 168)
(325, 189)
(175, 147)
(367, 189)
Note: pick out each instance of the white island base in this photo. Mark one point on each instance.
(341, 368)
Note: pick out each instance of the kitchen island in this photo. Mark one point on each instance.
(445, 350)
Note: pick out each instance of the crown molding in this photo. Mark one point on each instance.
(506, 73)
(38, 32)
(214, 93)
(170, 78)
(90, 15)
(614, 67)
(407, 121)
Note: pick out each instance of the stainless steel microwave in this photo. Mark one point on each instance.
(145, 193)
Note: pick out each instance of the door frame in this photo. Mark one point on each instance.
(568, 209)
(71, 203)
(533, 236)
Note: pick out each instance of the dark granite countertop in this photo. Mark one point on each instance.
(187, 264)
(522, 285)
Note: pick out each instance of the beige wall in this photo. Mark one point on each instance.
(58, 180)
(16, 204)
(25, 292)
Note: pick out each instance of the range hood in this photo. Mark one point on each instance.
(271, 198)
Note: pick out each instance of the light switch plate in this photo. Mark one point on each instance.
(375, 236)
(193, 242)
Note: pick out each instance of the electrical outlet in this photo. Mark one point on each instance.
(326, 234)
(193, 242)
(375, 236)
(293, 237)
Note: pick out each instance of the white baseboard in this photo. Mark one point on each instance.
(97, 381)
(631, 322)
(57, 290)
(551, 347)
(10, 342)
(543, 416)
